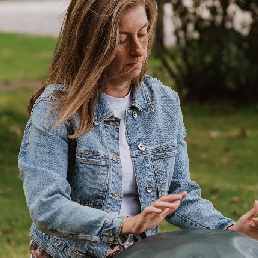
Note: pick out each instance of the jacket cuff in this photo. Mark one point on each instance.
(224, 224)
(112, 227)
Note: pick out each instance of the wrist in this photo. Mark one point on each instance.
(127, 226)
(231, 227)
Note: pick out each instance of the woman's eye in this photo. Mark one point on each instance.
(122, 39)
(143, 35)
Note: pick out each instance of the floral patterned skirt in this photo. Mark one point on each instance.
(37, 251)
(116, 249)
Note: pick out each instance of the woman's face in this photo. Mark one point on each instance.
(132, 48)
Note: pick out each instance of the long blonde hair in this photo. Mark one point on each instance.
(85, 47)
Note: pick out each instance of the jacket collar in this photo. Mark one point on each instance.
(140, 100)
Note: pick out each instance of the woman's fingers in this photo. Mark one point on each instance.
(152, 215)
(166, 212)
(169, 201)
(250, 215)
(173, 197)
(248, 223)
(153, 209)
(163, 204)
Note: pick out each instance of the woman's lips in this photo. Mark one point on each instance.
(134, 64)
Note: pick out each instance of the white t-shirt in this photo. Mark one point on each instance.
(130, 200)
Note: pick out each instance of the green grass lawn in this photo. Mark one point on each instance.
(24, 57)
(14, 217)
(222, 144)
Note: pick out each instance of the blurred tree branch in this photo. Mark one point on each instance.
(211, 60)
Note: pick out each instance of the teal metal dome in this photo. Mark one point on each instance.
(194, 243)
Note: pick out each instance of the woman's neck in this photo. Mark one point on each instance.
(116, 91)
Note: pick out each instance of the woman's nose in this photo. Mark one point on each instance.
(137, 48)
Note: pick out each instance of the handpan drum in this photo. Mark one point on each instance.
(194, 243)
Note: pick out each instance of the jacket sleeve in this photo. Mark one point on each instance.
(194, 212)
(43, 161)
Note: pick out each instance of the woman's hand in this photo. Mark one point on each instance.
(152, 215)
(248, 223)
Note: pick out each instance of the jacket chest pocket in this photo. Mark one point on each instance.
(163, 161)
(91, 179)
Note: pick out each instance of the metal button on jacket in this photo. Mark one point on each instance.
(116, 195)
(142, 147)
(134, 114)
(112, 123)
(110, 236)
(115, 157)
(149, 188)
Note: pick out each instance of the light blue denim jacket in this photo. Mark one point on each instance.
(81, 220)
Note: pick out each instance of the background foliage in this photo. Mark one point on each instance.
(212, 59)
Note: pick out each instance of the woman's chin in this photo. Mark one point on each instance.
(125, 75)
(133, 73)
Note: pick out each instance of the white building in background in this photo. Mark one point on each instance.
(169, 27)
(32, 17)
(242, 20)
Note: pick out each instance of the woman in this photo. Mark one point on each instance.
(131, 168)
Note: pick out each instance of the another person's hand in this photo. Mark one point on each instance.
(152, 215)
(248, 223)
